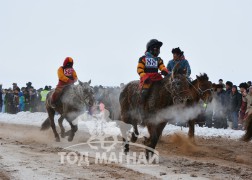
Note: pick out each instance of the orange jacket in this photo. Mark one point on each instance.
(67, 76)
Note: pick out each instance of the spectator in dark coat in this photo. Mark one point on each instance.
(227, 100)
(9, 101)
(29, 86)
(14, 86)
(220, 120)
(221, 83)
(33, 99)
(16, 99)
(235, 105)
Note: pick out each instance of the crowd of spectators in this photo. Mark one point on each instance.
(230, 106)
(15, 99)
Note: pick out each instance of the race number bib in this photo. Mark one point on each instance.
(68, 71)
(151, 63)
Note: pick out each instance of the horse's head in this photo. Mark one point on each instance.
(86, 93)
(179, 86)
(203, 87)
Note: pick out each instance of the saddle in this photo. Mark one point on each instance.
(56, 96)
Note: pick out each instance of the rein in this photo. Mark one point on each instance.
(176, 95)
(180, 92)
(78, 92)
(199, 91)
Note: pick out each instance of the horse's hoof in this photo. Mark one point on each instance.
(148, 155)
(62, 135)
(57, 139)
(67, 133)
(75, 129)
(70, 138)
(145, 141)
(133, 138)
(126, 151)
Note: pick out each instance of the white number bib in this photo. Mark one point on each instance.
(68, 71)
(151, 63)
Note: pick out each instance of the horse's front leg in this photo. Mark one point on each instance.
(191, 124)
(60, 121)
(151, 141)
(125, 140)
(72, 132)
(124, 127)
(135, 133)
(155, 131)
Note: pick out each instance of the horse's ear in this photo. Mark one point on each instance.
(89, 82)
(80, 82)
(197, 77)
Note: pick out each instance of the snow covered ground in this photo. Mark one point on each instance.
(39, 158)
(89, 124)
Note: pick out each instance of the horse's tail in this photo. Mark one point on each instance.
(45, 125)
(248, 135)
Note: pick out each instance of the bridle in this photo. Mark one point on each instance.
(80, 97)
(177, 96)
(199, 90)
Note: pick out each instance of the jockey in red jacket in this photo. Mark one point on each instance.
(148, 66)
(67, 76)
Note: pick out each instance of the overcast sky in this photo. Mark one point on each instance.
(106, 38)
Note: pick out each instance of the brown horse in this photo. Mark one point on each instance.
(75, 99)
(200, 89)
(162, 94)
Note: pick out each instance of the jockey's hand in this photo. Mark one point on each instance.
(70, 81)
(164, 73)
(169, 74)
(147, 81)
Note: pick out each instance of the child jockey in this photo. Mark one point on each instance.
(148, 66)
(67, 76)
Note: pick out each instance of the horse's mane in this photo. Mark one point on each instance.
(75, 93)
(203, 77)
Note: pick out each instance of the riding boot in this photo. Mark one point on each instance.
(55, 97)
(54, 100)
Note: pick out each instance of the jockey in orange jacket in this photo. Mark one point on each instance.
(67, 76)
(148, 67)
